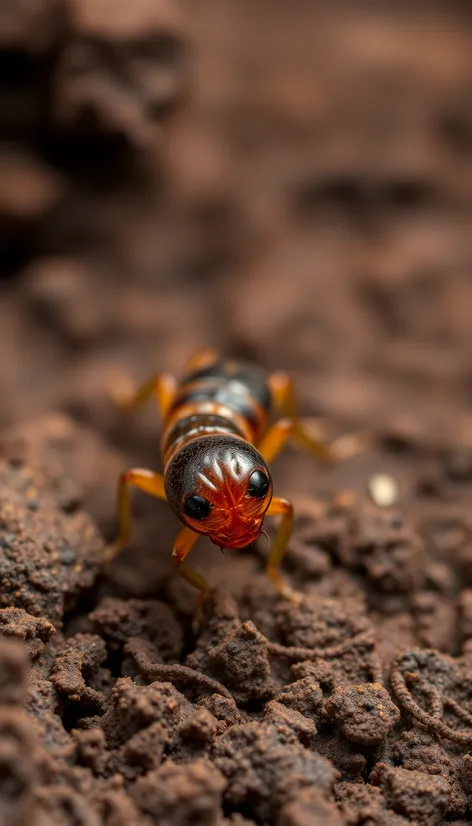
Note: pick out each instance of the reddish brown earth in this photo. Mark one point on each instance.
(291, 182)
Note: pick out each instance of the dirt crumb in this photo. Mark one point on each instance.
(65, 453)
(267, 765)
(365, 713)
(47, 557)
(241, 661)
(82, 656)
(34, 631)
(13, 668)
(119, 620)
(310, 808)
(359, 803)
(181, 795)
(420, 797)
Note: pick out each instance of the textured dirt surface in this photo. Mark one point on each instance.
(291, 182)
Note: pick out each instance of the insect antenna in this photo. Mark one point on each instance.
(267, 537)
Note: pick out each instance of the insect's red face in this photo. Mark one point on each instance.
(230, 491)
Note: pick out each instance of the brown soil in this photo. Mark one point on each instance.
(291, 182)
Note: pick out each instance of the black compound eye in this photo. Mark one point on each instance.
(197, 507)
(258, 484)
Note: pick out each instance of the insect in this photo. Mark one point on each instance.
(217, 444)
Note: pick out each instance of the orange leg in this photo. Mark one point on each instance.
(283, 508)
(126, 396)
(152, 483)
(283, 394)
(184, 542)
(273, 442)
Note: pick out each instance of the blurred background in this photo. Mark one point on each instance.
(287, 180)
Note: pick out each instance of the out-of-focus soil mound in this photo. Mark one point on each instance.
(292, 183)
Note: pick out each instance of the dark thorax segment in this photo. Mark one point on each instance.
(240, 387)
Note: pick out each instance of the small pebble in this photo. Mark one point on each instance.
(383, 490)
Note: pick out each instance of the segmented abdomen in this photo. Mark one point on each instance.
(229, 398)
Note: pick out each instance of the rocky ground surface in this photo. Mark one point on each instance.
(291, 182)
